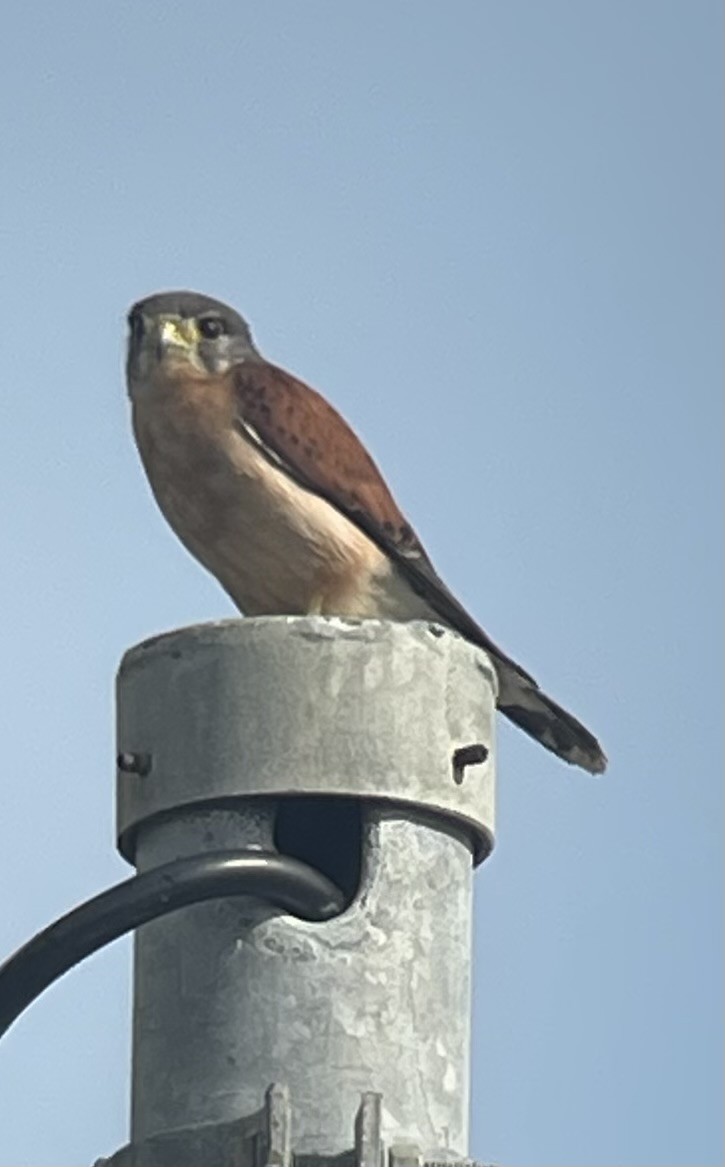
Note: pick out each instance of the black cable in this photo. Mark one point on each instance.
(279, 879)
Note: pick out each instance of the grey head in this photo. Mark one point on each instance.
(173, 328)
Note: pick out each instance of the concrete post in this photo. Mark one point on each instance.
(357, 747)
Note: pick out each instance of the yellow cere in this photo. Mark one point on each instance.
(177, 331)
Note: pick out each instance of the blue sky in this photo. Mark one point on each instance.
(490, 232)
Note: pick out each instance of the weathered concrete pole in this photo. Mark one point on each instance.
(355, 746)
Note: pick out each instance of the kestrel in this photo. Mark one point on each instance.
(267, 485)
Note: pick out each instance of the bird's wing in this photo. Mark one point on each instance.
(304, 436)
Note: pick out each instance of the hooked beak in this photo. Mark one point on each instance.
(157, 343)
(175, 332)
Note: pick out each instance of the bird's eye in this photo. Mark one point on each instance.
(211, 327)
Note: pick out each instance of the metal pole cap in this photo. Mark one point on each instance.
(279, 706)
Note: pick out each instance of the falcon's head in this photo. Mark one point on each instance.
(184, 332)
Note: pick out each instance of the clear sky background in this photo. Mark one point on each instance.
(489, 231)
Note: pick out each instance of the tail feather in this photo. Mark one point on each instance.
(545, 721)
(520, 698)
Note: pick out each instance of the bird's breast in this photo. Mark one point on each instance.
(274, 546)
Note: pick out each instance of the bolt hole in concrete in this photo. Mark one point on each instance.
(327, 834)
